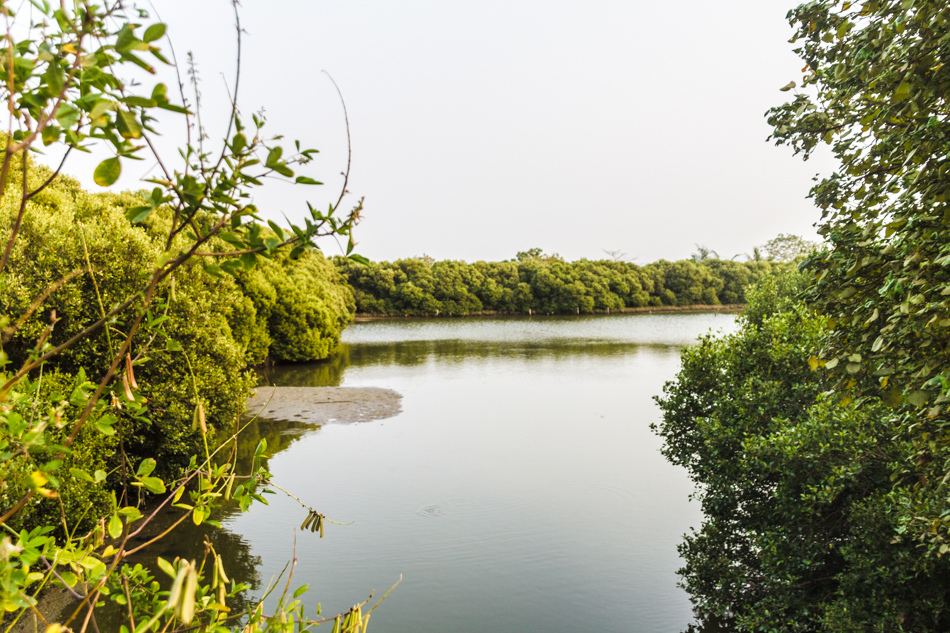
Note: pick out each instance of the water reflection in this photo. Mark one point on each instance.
(416, 342)
(330, 372)
(519, 488)
(187, 540)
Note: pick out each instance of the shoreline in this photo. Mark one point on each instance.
(364, 317)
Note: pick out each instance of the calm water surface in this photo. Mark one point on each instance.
(519, 489)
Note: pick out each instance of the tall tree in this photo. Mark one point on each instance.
(819, 433)
(876, 91)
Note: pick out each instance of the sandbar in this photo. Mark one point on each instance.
(324, 405)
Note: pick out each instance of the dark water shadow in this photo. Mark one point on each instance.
(330, 372)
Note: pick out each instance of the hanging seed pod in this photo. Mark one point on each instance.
(201, 418)
(220, 564)
(306, 521)
(188, 597)
(130, 372)
(174, 596)
(198, 419)
(125, 387)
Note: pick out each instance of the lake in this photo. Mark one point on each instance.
(520, 488)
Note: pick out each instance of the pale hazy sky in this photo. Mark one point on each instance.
(480, 129)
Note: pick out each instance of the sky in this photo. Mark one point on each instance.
(480, 129)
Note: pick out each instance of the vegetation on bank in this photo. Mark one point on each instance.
(216, 326)
(819, 434)
(539, 284)
(128, 323)
(810, 496)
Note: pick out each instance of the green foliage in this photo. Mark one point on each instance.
(879, 80)
(68, 230)
(802, 526)
(76, 499)
(125, 335)
(301, 308)
(544, 284)
(818, 435)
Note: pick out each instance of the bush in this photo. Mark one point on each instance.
(302, 307)
(802, 520)
(216, 327)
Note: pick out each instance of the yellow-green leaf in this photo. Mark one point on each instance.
(107, 172)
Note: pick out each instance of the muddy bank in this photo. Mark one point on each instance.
(362, 317)
(324, 405)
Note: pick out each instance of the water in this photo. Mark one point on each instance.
(519, 489)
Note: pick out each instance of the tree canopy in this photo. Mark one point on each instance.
(819, 434)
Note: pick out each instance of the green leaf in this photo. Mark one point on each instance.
(283, 170)
(878, 343)
(104, 425)
(140, 102)
(107, 172)
(918, 398)
(173, 346)
(130, 512)
(81, 474)
(232, 266)
(276, 229)
(54, 78)
(273, 156)
(304, 180)
(127, 125)
(154, 32)
(69, 578)
(146, 467)
(248, 260)
(67, 115)
(902, 92)
(198, 515)
(154, 485)
(51, 134)
(166, 567)
(100, 475)
(115, 526)
(138, 214)
(213, 269)
(101, 107)
(44, 7)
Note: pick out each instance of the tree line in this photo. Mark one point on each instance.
(539, 284)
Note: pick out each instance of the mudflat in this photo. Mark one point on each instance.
(324, 405)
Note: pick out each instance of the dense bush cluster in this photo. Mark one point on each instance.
(545, 285)
(809, 495)
(819, 435)
(81, 249)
